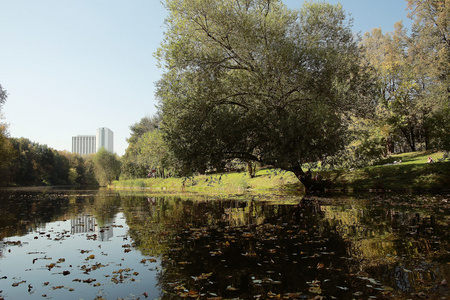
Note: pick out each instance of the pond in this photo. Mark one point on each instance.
(100, 244)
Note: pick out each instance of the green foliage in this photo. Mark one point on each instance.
(131, 165)
(81, 170)
(34, 164)
(6, 155)
(145, 125)
(146, 151)
(3, 96)
(6, 149)
(412, 78)
(257, 82)
(106, 166)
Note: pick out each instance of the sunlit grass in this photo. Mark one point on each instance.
(267, 179)
(412, 173)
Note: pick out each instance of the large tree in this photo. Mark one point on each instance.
(254, 80)
(431, 53)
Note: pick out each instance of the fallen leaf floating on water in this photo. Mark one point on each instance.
(15, 284)
(202, 276)
(90, 257)
(144, 260)
(315, 290)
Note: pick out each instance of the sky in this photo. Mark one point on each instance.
(72, 66)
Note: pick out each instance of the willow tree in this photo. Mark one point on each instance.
(256, 81)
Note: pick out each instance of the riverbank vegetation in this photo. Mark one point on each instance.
(401, 172)
(295, 90)
(31, 164)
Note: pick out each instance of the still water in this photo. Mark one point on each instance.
(91, 244)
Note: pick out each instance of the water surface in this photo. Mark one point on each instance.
(99, 244)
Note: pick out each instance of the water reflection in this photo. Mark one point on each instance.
(347, 247)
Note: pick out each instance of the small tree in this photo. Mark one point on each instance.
(132, 164)
(106, 167)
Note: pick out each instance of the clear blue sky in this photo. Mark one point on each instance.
(72, 66)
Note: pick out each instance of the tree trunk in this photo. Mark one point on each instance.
(251, 169)
(413, 138)
(304, 177)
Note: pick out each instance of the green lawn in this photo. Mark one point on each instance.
(413, 173)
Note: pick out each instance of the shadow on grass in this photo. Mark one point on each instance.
(398, 177)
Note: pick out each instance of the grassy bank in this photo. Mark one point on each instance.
(412, 173)
(226, 183)
(408, 171)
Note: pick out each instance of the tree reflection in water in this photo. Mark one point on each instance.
(347, 247)
(337, 247)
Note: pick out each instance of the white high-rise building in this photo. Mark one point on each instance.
(105, 138)
(84, 144)
(90, 144)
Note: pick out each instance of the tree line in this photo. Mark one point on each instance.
(252, 81)
(31, 164)
(26, 163)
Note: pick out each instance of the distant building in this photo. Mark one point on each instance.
(90, 144)
(84, 144)
(105, 139)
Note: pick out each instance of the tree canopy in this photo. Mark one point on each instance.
(257, 81)
(411, 73)
(106, 166)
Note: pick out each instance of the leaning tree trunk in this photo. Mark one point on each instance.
(304, 177)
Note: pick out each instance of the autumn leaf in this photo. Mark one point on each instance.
(315, 290)
(58, 287)
(15, 284)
